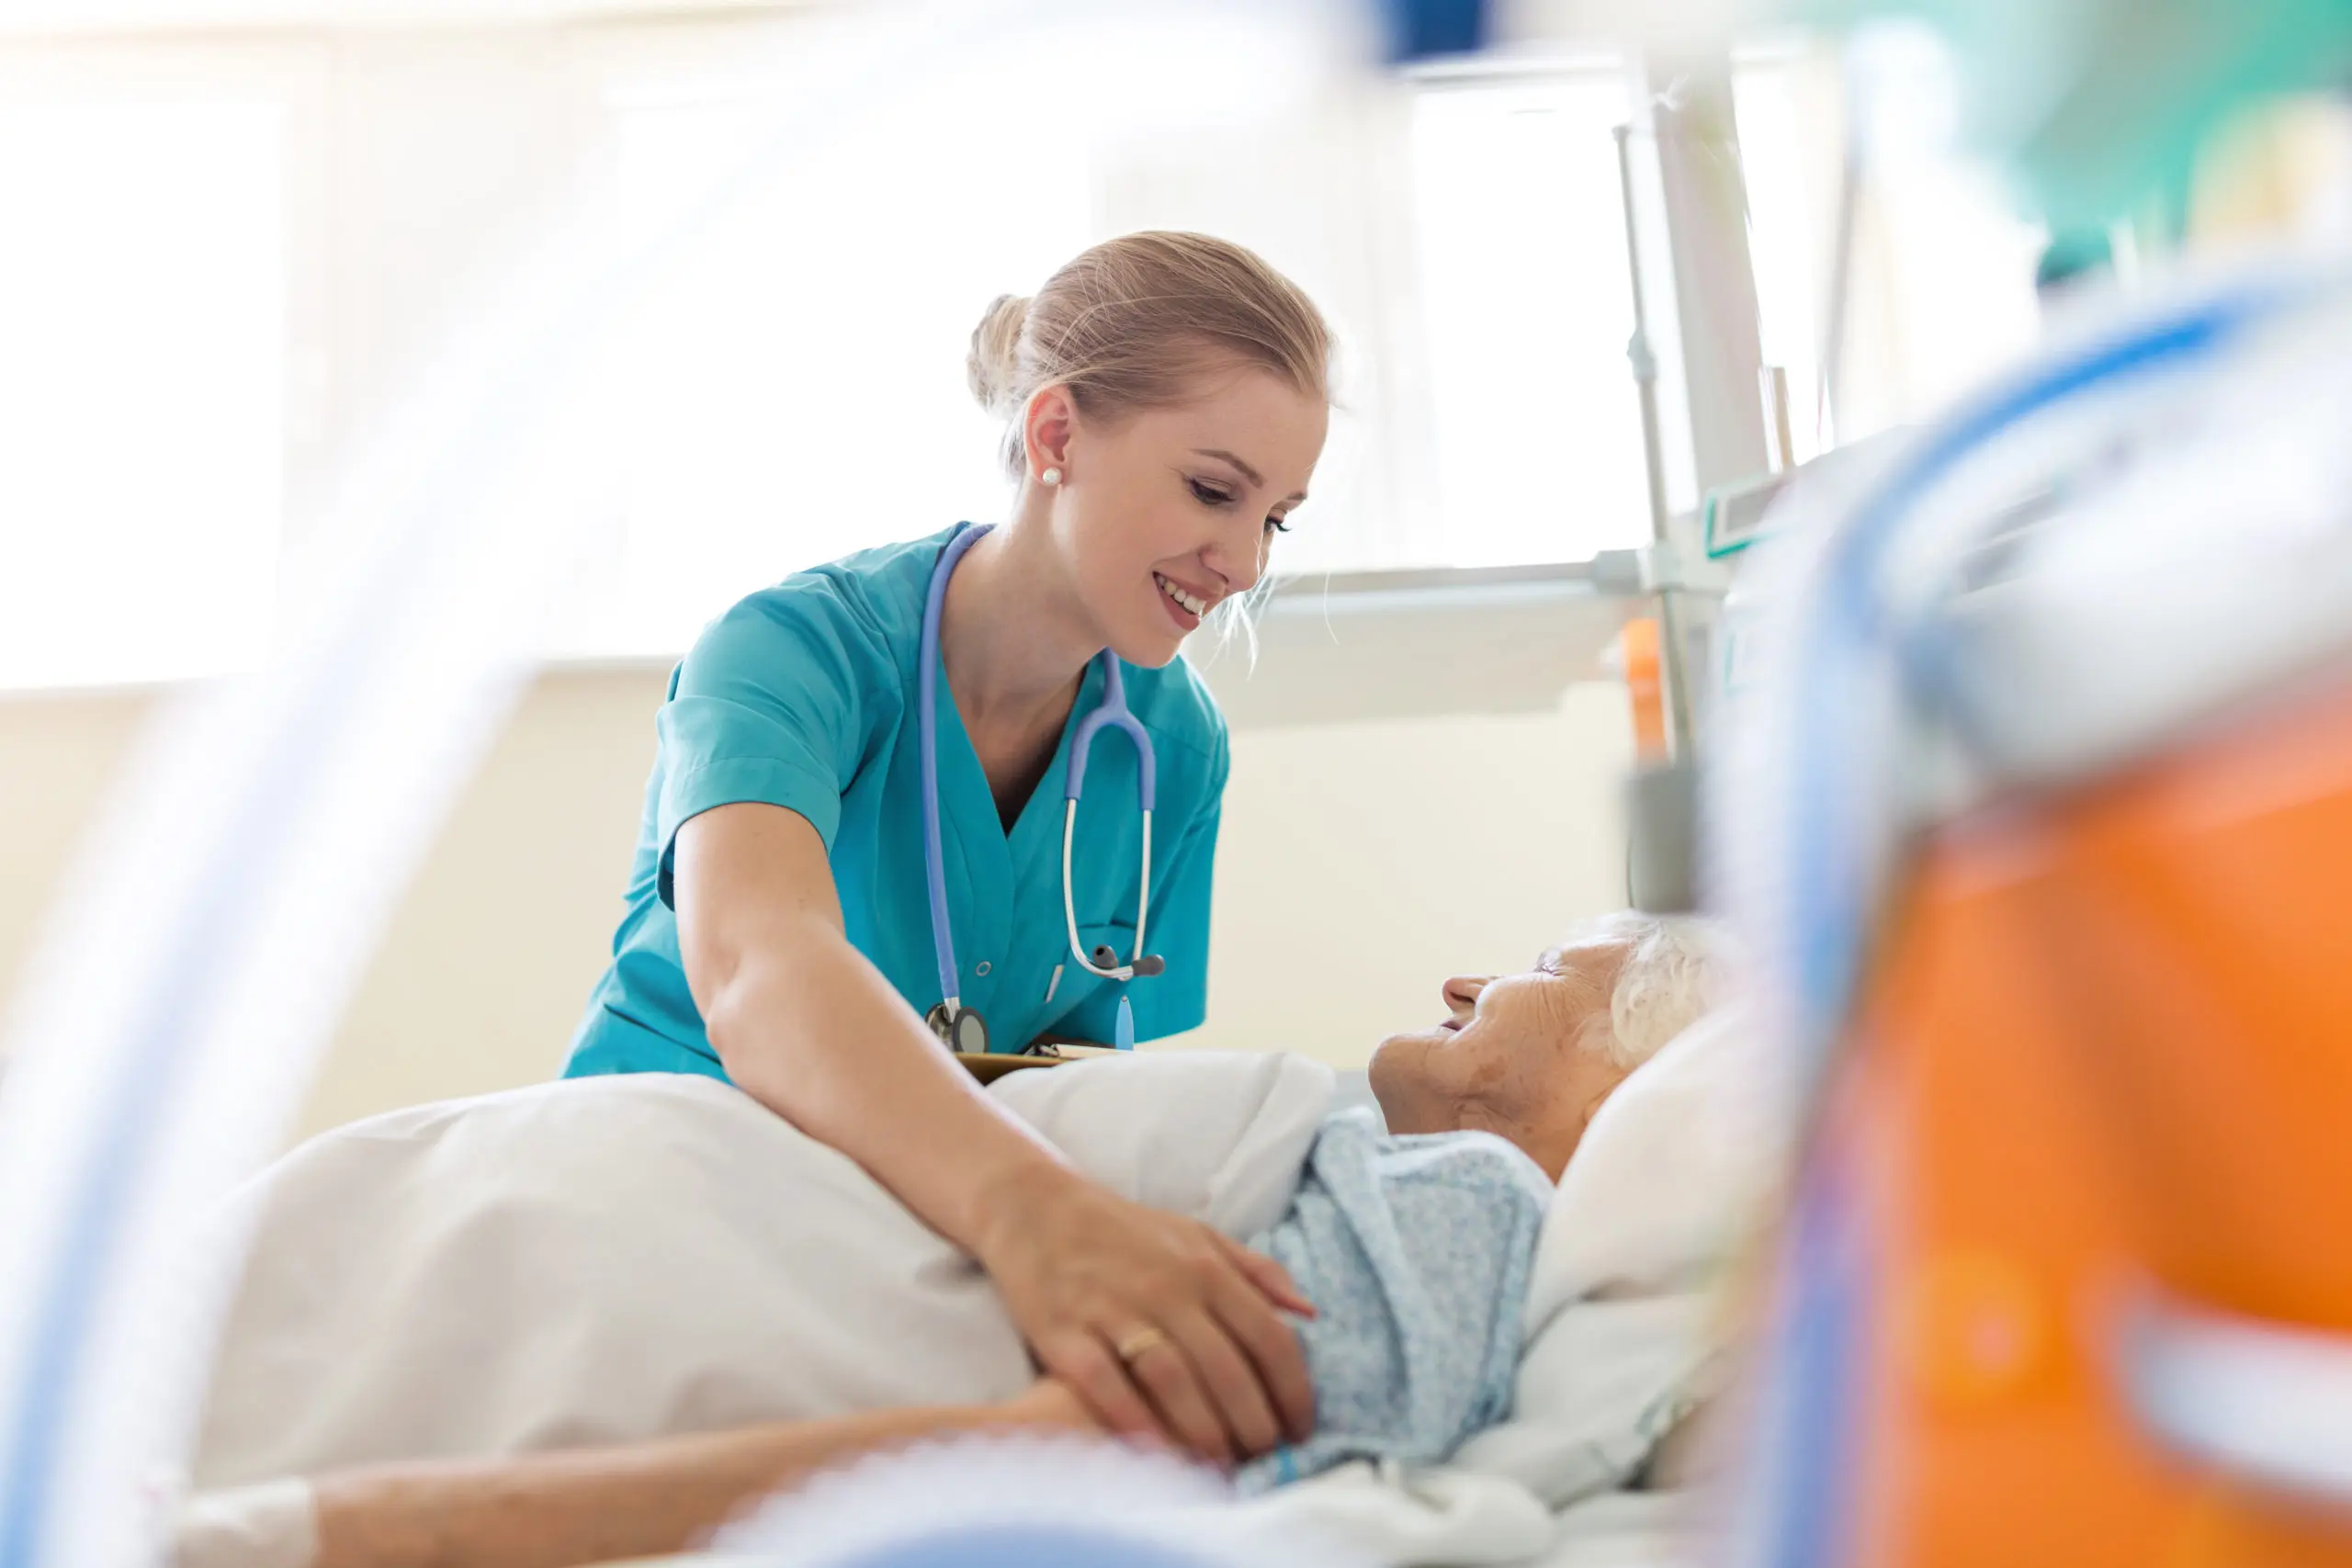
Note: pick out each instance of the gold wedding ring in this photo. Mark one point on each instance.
(1136, 1341)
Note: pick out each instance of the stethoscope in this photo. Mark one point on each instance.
(962, 1028)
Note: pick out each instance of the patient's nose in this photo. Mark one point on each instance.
(1461, 991)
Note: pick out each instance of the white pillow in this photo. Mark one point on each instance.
(1669, 1174)
(1623, 1324)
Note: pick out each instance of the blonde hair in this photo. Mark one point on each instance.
(1131, 324)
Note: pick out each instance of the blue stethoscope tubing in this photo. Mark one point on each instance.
(958, 1025)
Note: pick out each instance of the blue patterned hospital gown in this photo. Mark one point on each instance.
(1417, 1252)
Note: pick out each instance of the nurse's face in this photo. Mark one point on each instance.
(1165, 513)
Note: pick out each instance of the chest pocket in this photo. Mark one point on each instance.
(1119, 936)
(1077, 985)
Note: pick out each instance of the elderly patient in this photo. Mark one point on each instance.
(1530, 1056)
(1415, 1242)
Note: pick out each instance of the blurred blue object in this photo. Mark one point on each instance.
(1027, 1546)
(1420, 29)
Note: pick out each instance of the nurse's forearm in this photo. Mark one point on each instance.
(822, 1038)
(805, 1024)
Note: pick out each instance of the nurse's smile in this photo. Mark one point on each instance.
(1185, 607)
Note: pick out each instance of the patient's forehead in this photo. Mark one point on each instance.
(1583, 957)
(1572, 953)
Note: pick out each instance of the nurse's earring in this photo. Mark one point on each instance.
(1050, 478)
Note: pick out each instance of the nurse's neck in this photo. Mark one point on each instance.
(1013, 640)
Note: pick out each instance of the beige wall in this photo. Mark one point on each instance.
(56, 755)
(485, 966)
(1361, 863)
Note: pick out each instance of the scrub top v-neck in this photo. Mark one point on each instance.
(803, 696)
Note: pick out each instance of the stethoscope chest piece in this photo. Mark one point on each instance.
(966, 1033)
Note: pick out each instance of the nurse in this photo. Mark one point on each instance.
(1166, 399)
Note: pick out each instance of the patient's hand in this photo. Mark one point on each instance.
(1052, 1405)
(1209, 1361)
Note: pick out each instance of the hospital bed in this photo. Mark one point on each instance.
(488, 1219)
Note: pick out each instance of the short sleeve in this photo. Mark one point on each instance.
(1178, 998)
(768, 707)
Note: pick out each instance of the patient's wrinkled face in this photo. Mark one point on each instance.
(1522, 1056)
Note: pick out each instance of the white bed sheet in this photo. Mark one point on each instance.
(651, 1198)
(607, 1260)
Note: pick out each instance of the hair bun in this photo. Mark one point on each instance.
(995, 361)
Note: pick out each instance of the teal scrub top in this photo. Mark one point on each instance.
(803, 696)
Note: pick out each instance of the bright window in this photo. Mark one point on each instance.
(796, 388)
(1787, 160)
(142, 347)
(1941, 292)
(1521, 232)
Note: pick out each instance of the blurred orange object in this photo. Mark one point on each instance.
(1645, 682)
(2108, 1046)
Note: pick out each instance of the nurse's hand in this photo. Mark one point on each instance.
(1207, 1362)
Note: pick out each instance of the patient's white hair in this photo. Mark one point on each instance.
(1671, 976)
